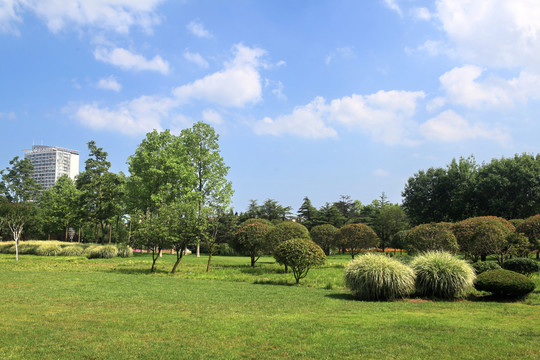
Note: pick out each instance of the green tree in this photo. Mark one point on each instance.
(389, 220)
(18, 184)
(285, 231)
(531, 228)
(355, 237)
(212, 188)
(251, 240)
(431, 237)
(300, 255)
(330, 214)
(100, 189)
(325, 236)
(307, 214)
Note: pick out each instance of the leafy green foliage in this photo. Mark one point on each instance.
(355, 237)
(299, 255)
(285, 231)
(523, 266)
(389, 220)
(18, 184)
(503, 282)
(48, 250)
(72, 250)
(251, 240)
(376, 277)
(431, 237)
(325, 236)
(483, 266)
(531, 228)
(442, 275)
(103, 252)
(124, 250)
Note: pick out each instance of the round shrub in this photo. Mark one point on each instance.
(102, 252)
(251, 240)
(124, 250)
(72, 250)
(442, 275)
(376, 277)
(483, 266)
(505, 283)
(48, 250)
(299, 255)
(284, 231)
(225, 250)
(522, 265)
(324, 236)
(255, 220)
(431, 237)
(356, 237)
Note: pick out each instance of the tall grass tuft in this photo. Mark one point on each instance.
(102, 252)
(124, 250)
(442, 275)
(48, 250)
(376, 277)
(73, 250)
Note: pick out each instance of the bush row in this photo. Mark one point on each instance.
(57, 248)
(433, 274)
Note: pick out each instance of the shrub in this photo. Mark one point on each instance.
(72, 250)
(442, 275)
(103, 252)
(256, 220)
(522, 265)
(503, 282)
(376, 277)
(300, 255)
(531, 228)
(284, 231)
(48, 250)
(483, 266)
(251, 240)
(4, 247)
(26, 248)
(88, 249)
(124, 250)
(324, 236)
(225, 250)
(355, 237)
(431, 237)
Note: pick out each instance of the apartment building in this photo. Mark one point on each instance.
(51, 162)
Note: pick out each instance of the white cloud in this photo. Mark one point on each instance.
(196, 58)
(237, 85)
(421, 13)
(125, 59)
(392, 4)
(109, 83)
(115, 15)
(347, 53)
(495, 32)
(212, 116)
(9, 116)
(305, 121)
(386, 116)
(138, 116)
(381, 173)
(450, 127)
(465, 86)
(197, 29)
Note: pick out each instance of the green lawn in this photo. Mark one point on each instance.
(74, 308)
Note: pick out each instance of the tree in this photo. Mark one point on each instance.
(431, 237)
(18, 184)
(285, 231)
(251, 240)
(100, 189)
(307, 214)
(388, 221)
(300, 255)
(16, 215)
(355, 237)
(531, 228)
(325, 236)
(212, 188)
(330, 214)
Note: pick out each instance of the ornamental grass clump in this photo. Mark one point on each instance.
(103, 252)
(376, 277)
(124, 250)
(27, 248)
(4, 247)
(72, 250)
(442, 275)
(48, 250)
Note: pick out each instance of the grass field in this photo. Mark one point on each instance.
(74, 308)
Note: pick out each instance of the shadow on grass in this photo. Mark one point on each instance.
(131, 271)
(341, 296)
(274, 282)
(496, 298)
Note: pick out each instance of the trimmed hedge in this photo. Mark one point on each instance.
(377, 277)
(505, 283)
(522, 265)
(483, 266)
(300, 255)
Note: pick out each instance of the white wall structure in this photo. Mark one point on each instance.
(51, 162)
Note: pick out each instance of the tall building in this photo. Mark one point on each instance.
(51, 162)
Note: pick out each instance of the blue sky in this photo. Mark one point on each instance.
(310, 98)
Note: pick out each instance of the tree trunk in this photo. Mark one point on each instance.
(209, 260)
(110, 233)
(198, 248)
(252, 260)
(179, 255)
(66, 235)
